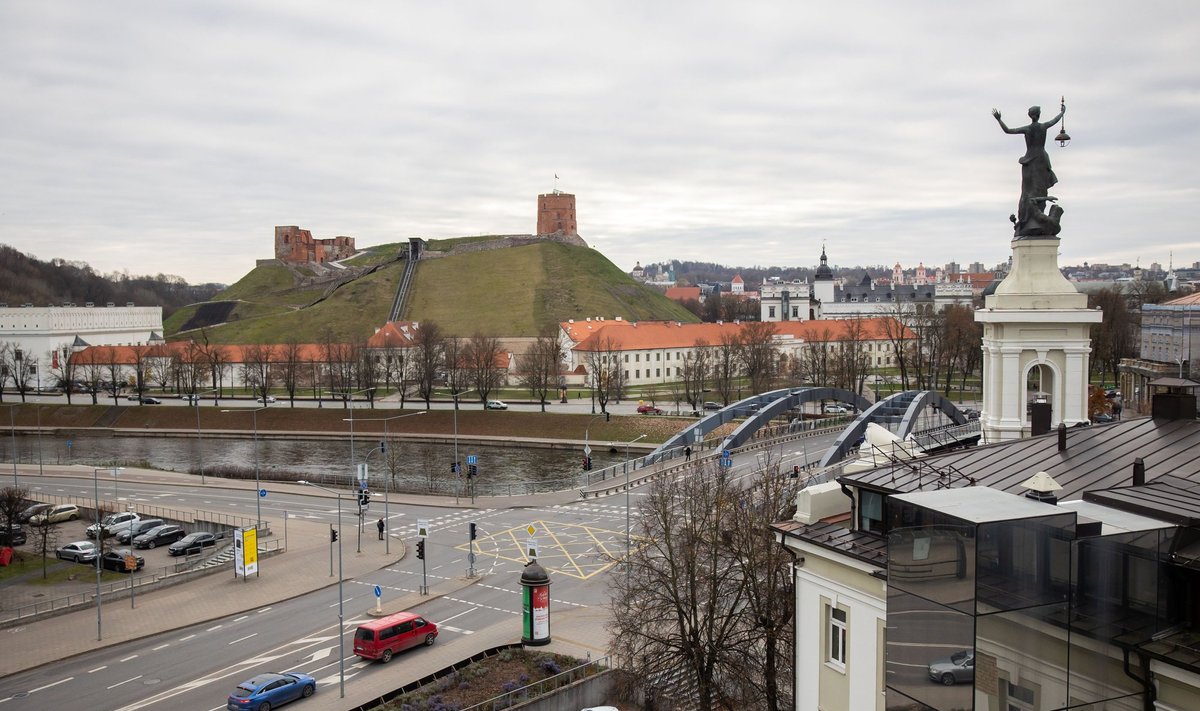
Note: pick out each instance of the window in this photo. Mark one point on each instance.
(870, 511)
(837, 636)
(637, 357)
(637, 373)
(770, 312)
(626, 357)
(657, 373)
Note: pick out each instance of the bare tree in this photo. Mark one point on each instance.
(366, 370)
(851, 360)
(452, 363)
(89, 367)
(7, 367)
(898, 335)
(63, 368)
(45, 539)
(1114, 337)
(257, 373)
(758, 354)
(541, 367)
(604, 368)
(13, 500)
(114, 368)
(480, 357)
(429, 354)
(24, 363)
(140, 352)
(680, 601)
(290, 366)
(694, 373)
(726, 366)
(818, 357)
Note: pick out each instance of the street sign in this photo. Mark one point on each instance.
(471, 558)
(530, 529)
(697, 435)
(262, 493)
(531, 548)
(725, 453)
(587, 450)
(726, 462)
(472, 459)
(362, 474)
(378, 591)
(423, 528)
(130, 562)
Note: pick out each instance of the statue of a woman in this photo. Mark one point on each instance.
(1037, 177)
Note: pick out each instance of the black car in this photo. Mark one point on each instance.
(192, 543)
(32, 511)
(160, 536)
(115, 560)
(128, 533)
(13, 536)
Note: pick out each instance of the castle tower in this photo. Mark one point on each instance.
(1036, 343)
(823, 281)
(556, 213)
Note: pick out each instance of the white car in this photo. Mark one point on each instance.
(267, 400)
(113, 522)
(495, 405)
(835, 409)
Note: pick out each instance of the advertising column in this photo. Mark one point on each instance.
(535, 599)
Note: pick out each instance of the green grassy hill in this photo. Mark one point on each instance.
(517, 291)
(521, 291)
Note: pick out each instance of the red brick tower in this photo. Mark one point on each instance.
(556, 213)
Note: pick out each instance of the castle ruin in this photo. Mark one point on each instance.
(296, 246)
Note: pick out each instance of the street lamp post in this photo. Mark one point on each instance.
(627, 548)
(12, 428)
(341, 597)
(353, 463)
(99, 539)
(257, 484)
(387, 543)
(199, 441)
(587, 447)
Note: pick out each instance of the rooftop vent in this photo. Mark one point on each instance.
(1041, 487)
(89, 304)
(110, 304)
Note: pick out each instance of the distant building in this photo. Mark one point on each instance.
(297, 246)
(556, 214)
(685, 293)
(1169, 342)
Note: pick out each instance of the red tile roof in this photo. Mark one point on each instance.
(684, 293)
(647, 335)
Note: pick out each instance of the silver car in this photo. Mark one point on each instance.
(79, 551)
(958, 667)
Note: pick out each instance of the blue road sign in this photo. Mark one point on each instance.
(727, 462)
(471, 459)
(378, 591)
(725, 453)
(262, 493)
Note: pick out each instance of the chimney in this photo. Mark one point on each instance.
(1139, 472)
(1062, 436)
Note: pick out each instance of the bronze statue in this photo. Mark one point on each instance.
(1037, 178)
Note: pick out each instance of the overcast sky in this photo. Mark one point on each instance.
(173, 136)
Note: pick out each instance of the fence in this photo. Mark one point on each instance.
(546, 686)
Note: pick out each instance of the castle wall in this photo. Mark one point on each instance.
(297, 246)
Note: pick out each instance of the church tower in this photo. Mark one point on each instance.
(823, 281)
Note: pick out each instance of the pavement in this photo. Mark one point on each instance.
(580, 632)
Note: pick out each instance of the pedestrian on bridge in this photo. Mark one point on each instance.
(687, 454)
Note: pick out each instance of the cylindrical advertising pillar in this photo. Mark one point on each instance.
(535, 603)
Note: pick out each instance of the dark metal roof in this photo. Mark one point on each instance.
(868, 548)
(1162, 500)
(1096, 457)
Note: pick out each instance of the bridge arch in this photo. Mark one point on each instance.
(902, 409)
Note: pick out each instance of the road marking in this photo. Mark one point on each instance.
(212, 629)
(243, 639)
(454, 629)
(184, 639)
(453, 616)
(259, 612)
(47, 686)
(128, 658)
(161, 646)
(93, 671)
(139, 676)
(241, 618)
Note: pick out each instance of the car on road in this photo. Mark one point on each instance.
(648, 410)
(127, 534)
(267, 691)
(151, 401)
(835, 410)
(163, 535)
(12, 535)
(265, 401)
(1102, 418)
(112, 523)
(958, 667)
(710, 405)
(79, 551)
(32, 511)
(970, 413)
(191, 543)
(132, 397)
(115, 560)
(386, 636)
(495, 405)
(56, 514)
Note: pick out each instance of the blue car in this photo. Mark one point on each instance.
(267, 691)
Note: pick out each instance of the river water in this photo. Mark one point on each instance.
(415, 467)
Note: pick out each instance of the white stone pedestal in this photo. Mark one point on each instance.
(1035, 317)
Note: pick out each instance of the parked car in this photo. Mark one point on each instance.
(160, 536)
(970, 413)
(151, 401)
(381, 638)
(133, 397)
(32, 511)
(56, 514)
(1102, 418)
(127, 534)
(13, 535)
(835, 410)
(266, 691)
(495, 405)
(191, 543)
(115, 560)
(265, 401)
(648, 410)
(710, 405)
(79, 551)
(1111, 393)
(953, 669)
(112, 523)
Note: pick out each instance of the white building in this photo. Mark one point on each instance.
(42, 333)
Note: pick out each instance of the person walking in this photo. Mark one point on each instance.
(379, 525)
(687, 454)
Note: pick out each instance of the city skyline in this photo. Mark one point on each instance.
(172, 139)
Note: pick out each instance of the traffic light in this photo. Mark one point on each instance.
(364, 498)
(796, 471)
(455, 467)
(421, 549)
(472, 470)
(587, 464)
(471, 530)
(382, 447)
(332, 534)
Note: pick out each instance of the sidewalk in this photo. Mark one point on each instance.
(579, 632)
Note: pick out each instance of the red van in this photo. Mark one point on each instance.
(380, 639)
